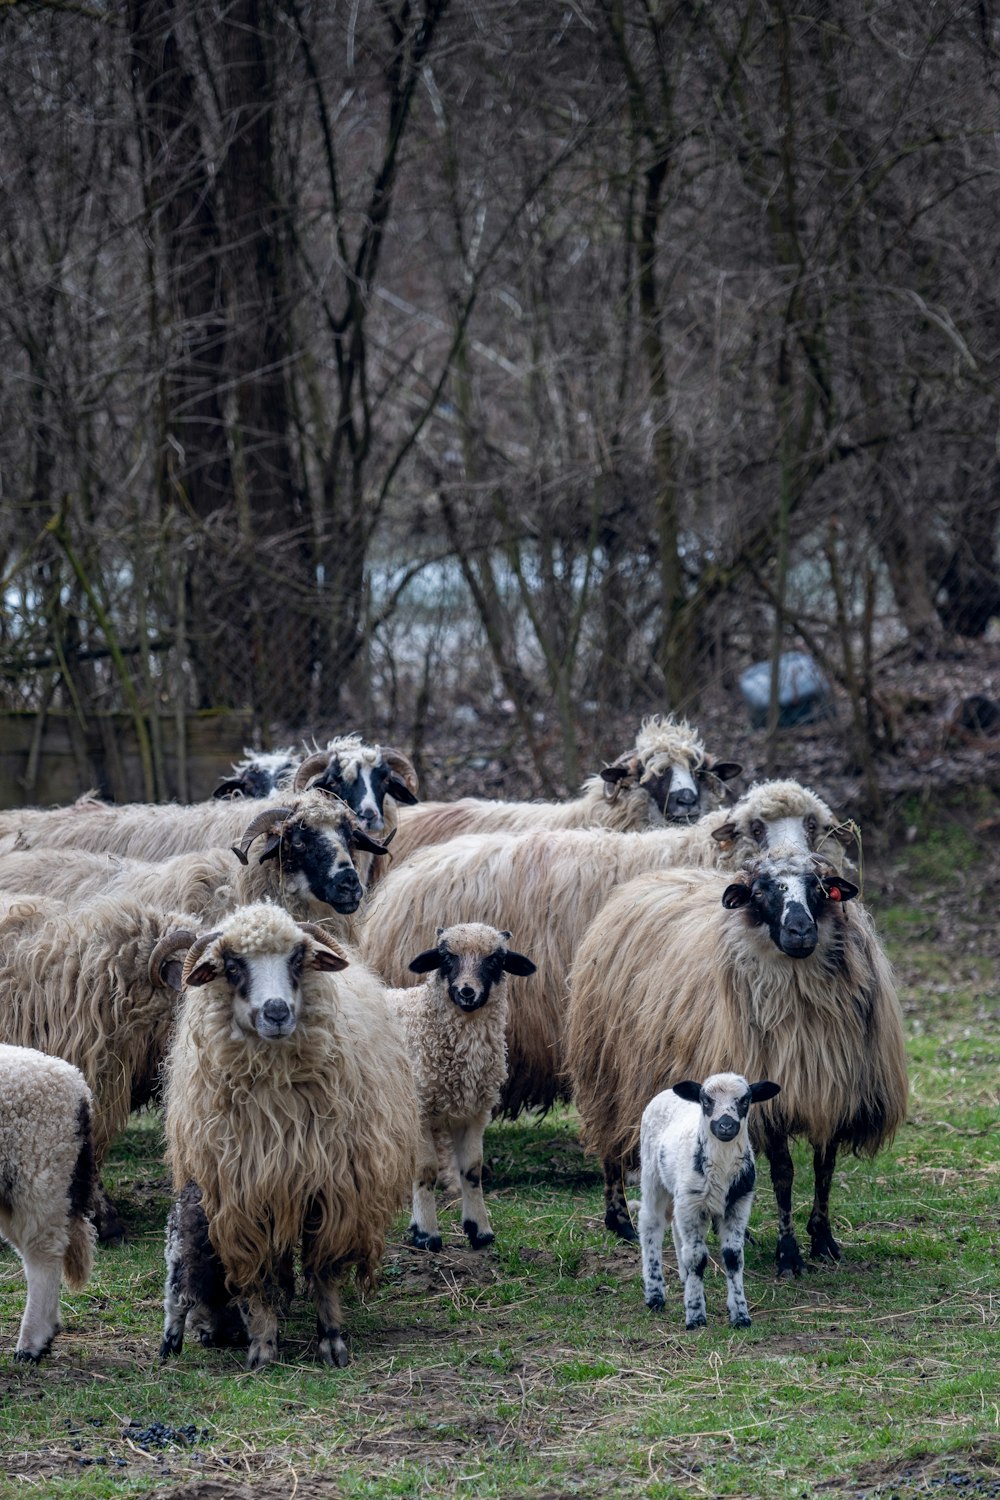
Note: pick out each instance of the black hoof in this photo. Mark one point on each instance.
(655, 1302)
(478, 1241)
(698, 1322)
(622, 1227)
(789, 1257)
(422, 1241)
(28, 1356)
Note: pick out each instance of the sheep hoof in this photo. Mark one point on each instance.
(478, 1240)
(620, 1225)
(261, 1355)
(173, 1343)
(699, 1322)
(824, 1246)
(789, 1257)
(655, 1302)
(333, 1352)
(421, 1240)
(743, 1321)
(29, 1356)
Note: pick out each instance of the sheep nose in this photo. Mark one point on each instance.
(725, 1128)
(466, 993)
(276, 1012)
(798, 933)
(681, 803)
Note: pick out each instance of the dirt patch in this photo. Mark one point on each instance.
(972, 1472)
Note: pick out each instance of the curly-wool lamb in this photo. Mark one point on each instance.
(455, 1025)
(777, 974)
(291, 1107)
(667, 776)
(94, 984)
(47, 1181)
(547, 887)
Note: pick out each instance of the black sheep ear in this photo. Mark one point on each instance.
(271, 848)
(424, 962)
(362, 840)
(231, 787)
(735, 896)
(613, 774)
(763, 1090)
(516, 963)
(725, 770)
(688, 1090)
(400, 792)
(838, 889)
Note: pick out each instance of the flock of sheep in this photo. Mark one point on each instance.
(694, 970)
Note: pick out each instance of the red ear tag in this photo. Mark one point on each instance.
(834, 893)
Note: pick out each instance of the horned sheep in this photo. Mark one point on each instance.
(307, 863)
(95, 984)
(48, 1180)
(548, 886)
(778, 973)
(280, 1114)
(667, 777)
(455, 1025)
(698, 1166)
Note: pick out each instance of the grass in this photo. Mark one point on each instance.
(535, 1369)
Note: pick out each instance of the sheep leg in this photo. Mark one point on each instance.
(824, 1246)
(653, 1211)
(468, 1142)
(324, 1285)
(261, 1321)
(779, 1158)
(110, 1229)
(616, 1215)
(423, 1222)
(692, 1258)
(40, 1323)
(732, 1240)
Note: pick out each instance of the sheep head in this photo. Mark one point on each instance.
(780, 814)
(362, 775)
(471, 958)
(790, 897)
(260, 954)
(314, 840)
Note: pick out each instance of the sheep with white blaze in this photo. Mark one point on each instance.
(307, 862)
(292, 1111)
(455, 1025)
(47, 1183)
(698, 1168)
(260, 773)
(95, 984)
(548, 886)
(374, 780)
(778, 973)
(667, 777)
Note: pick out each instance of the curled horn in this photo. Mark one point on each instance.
(259, 825)
(170, 943)
(196, 949)
(311, 766)
(328, 941)
(402, 766)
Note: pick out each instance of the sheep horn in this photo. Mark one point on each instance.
(260, 823)
(170, 943)
(403, 767)
(311, 766)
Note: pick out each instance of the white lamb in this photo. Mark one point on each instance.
(696, 1156)
(47, 1180)
(455, 1026)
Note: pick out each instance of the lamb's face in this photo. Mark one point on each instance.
(789, 900)
(725, 1101)
(263, 978)
(472, 960)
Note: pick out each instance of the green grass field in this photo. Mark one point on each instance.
(535, 1369)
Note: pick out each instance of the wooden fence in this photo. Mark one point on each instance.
(52, 758)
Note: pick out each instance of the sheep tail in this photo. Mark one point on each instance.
(78, 1257)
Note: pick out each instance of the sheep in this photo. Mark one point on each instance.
(47, 1181)
(260, 773)
(307, 863)
(95, 984)
(697, 1165)
(779, 973)
(668, 777)
(372, 780)
(548, 886)
(291, 1108)
(455, 1025)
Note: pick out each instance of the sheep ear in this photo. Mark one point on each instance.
(725, 770)
(271, 848)
(736, 895)
(838, 889)
(725, 833)
(688, 1090)
(361, 840)
(400, 792)
(613, 774)
(231, 787)
(424, 962)
(170, 973)
(327, 958)
(204, 973)
(763, 1090)
(516, 963)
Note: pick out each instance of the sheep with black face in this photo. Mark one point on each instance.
(455, 1025)
(779, 974)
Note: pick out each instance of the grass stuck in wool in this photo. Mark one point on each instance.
(534, 1368)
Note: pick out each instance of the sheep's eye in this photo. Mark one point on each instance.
(758, 830)
(811, 827)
